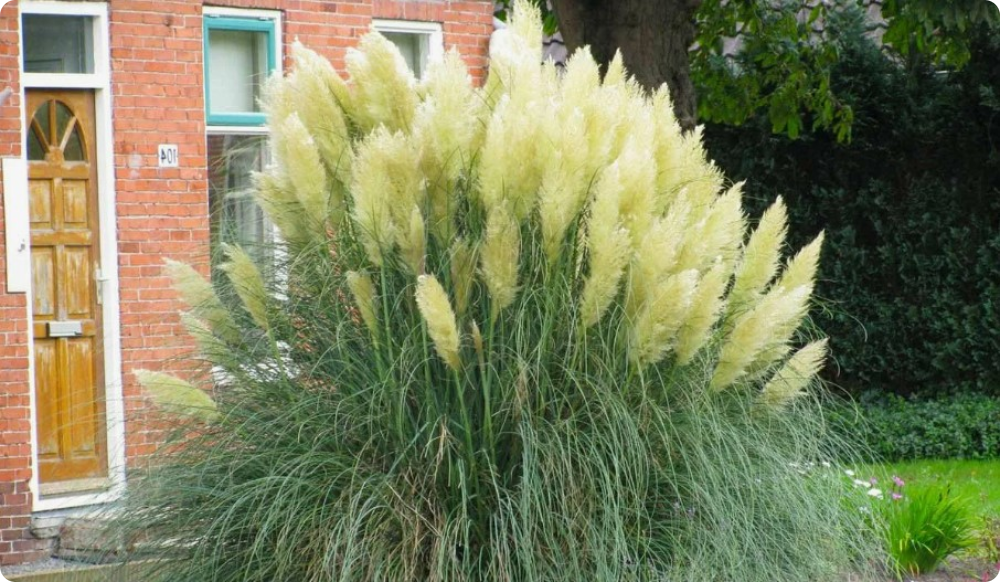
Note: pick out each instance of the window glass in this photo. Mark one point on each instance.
(414, 48)
(238, 65)
(58, 43)
(236, 218)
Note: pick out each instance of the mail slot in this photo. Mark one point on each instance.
(65, 328)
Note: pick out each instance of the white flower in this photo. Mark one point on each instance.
(860, 483)
(849, 473)
(875, 493)
(826, 464)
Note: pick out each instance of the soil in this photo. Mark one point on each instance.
(958, 570)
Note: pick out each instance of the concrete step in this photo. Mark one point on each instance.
(135, 572)
(88, 539)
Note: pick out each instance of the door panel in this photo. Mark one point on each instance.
(69, 375)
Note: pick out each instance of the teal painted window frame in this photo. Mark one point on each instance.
(245, 24)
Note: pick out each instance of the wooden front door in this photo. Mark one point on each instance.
(65, 254)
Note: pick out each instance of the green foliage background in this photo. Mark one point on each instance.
(911, 205)
(896, 428)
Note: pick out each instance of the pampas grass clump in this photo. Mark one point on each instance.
(517, 333)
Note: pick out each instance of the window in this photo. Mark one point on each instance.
(419, 42)
(57, 43)
(241, 51)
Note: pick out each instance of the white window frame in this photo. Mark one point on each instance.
(435, 44)
(100, 81)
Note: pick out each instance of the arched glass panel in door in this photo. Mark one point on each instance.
(55, 134)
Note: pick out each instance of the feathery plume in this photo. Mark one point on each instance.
(321, 96)
(363, 290)
(447, 127)
(509, 167)
(655, 257)
(716, 237)
(197, 293)
(654, 330)
(760, 258)
(387, 185)
(436, 311)
(564, 184)
(788, 383)
(209, 345)
(305, 170)
(801, 270)
(412, 243)
(500, 260)
(384, 86)
(609, 245)
(276, 196)
(248, 284)
(758, 331)
(463, 272)
(706, 307)
(170, 392)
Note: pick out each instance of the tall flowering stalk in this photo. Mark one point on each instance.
(512, 328)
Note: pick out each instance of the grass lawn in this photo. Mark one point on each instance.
(978, 481)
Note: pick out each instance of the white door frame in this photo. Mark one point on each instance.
(100, 82)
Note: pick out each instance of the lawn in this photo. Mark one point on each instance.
(976, 480)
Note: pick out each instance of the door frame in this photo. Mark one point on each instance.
(100, 82)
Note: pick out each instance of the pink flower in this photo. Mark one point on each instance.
(896, 496)
(873, 481)
(899, 482)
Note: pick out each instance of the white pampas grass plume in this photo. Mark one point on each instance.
(463, 272)
(436, 311)
(636, 205)
(248, 283)
(305, 170)
(197, 293)
(320, 96)
(209, 345)
(412, 243)
(654, 330)
(176, 395)
(448, 129)
(500, 260)
(363, 290)
(801, 270)
(760, 258)
(387, 185)
(706, 308)
(759, 330)
(565, 182)
(526, 23)
(655, 257)
(509, 167)
(717, 236)
(609, 247)
(790, 381)
(276, 196)
(384, 86)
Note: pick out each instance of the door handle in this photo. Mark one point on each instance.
(100, 279)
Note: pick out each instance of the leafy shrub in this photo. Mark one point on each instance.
(895, 428)
(924, 526)
(487, 360)
(911, 213)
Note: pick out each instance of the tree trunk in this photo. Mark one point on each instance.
(653, 35)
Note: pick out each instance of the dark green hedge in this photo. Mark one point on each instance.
(963, 426)
(911, 207)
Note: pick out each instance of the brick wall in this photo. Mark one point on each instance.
(157, 97)
(157, 92)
